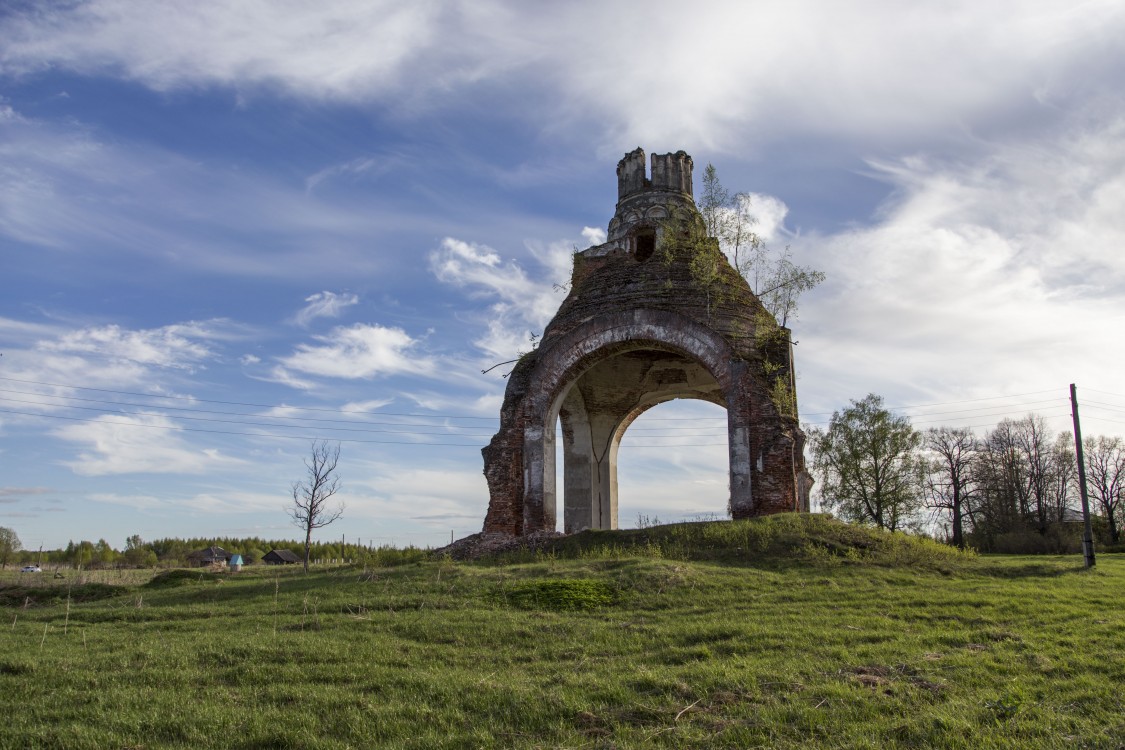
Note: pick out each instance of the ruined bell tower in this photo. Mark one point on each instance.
(655, 313)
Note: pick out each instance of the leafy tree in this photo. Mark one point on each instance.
(1105, 475)
(10, 546)
(869, 465)
(312, 507)
(774, 277)
(949, 478)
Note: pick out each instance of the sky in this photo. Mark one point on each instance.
(228, 229)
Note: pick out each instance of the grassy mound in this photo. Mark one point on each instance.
(769, 540)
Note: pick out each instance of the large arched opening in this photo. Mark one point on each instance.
(596, 410)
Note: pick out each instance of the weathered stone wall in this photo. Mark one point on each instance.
(636, 329)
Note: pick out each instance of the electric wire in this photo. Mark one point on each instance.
(176, 428)
(323, 423)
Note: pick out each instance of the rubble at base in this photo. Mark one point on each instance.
(476, 546)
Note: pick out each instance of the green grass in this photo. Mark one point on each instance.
(778, 633)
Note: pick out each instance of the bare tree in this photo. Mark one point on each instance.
(1105, 471)
(311, 507)
(949, 474)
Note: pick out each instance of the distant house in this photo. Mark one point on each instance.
(280, 557)
(207, 557)
(1072, 515)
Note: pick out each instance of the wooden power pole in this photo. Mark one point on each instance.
(1088, 533)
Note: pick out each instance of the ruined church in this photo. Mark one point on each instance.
(654, 313)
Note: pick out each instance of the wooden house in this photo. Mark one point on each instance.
(205, 558)
(280, 557)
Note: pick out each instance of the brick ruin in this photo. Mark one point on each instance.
(641, 326)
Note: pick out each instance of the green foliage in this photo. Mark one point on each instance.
(9, 546)
(783, 398)
(869, 465)
(560, 594)
(684, 240)
(388, 557)
(773, 276)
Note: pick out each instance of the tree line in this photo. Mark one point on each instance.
(168, 552)
(1013, 489)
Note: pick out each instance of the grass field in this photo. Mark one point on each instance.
(776, 633)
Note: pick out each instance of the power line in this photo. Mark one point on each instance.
(951, 403)
(1105, 393)
(998, 410)
(226, 432)
(177, 428)
(235, 421)
(237, 403)
(215, 411)
(456, 416)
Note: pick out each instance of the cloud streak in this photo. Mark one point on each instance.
(138, 445)
(364, 350)
(324, 305)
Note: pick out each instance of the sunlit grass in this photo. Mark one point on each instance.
(613, 640)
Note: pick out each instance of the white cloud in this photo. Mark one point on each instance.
(54, 359)
(137, 445)
(524, 304)
(770, 213)
(360, 351)
(358, 408)
(593, 235)
(998, 275)
(738, 74)
(324, 305)
(176, 346)
(168, 45)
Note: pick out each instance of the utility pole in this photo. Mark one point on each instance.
(1088, 533)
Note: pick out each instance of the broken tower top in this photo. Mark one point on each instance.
(643, 201)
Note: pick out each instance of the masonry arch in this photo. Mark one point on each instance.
(598, 379)
(643, 327)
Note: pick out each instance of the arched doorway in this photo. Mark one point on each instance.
(597, 408)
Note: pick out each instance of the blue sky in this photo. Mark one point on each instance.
(229, 228)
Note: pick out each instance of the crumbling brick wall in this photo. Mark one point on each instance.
(639, 327)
